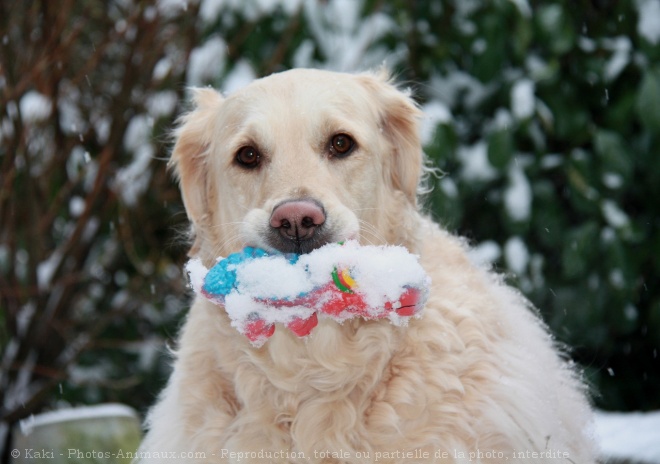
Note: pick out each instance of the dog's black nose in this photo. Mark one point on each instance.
(297, 219)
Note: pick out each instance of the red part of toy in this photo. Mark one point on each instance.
(408, 302)
(337, 303)
(303, 327)
(257, 329)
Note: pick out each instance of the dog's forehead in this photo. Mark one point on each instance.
(307, 95)
(302, 81)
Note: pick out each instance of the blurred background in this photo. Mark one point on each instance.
(544, 117)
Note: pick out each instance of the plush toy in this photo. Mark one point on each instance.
(340, 281)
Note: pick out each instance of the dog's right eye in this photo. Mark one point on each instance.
(248, 157)
(341, 145)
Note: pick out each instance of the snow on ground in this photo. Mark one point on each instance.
(65, 415)
(632, 436)
(622, 436)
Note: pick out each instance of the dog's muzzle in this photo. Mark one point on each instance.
(296, 226)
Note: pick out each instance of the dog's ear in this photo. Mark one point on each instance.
(189, 160)
(400, 118)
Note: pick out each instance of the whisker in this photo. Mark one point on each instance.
(371, 230)
(223, 224)
(367, 209)
(228, 243)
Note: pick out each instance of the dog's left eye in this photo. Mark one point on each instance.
(341, 145)
(248, 157)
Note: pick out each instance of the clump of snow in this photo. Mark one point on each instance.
(622, 47)
(631, 312)
(162, 104)
(71, 119)
(551, 161)
(35, 107)
(209, 10)
(516, 255)
(138, 132)
(196, 272)
(648, 24)
(102, 125)
(6, 129)
(171, 8)
(79, 164)
(435, 113)
(628, 436)
(251, 10)
(523, 7)
(347, 45)
(76, 206)
(614, 216)
(617, 278)
(485, 253)
(131, 181)
(587, 45)
(448, 187)
(162, 69)
(607, 235)
(240, 76)
(207, 61)
(612, 180)
(255, 277)
(522, 99)
(459, 85)
(518, 195)
(474, 160)
(502, 120)
(46, 269)
(304, 55)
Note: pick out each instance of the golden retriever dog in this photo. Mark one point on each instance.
(307, 157)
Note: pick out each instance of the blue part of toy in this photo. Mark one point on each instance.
(221, 278)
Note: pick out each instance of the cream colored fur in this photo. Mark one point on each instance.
(476, 379)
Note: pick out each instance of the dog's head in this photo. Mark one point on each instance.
(299, 159)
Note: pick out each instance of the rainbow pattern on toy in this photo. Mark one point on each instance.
(259, 289)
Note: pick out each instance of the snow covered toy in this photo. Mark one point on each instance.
(340, 281)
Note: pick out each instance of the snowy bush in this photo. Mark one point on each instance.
(544, 117)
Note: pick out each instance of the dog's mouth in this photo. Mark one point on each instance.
(298, 226)
(296, 245)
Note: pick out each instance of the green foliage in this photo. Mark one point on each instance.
(588, 152)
